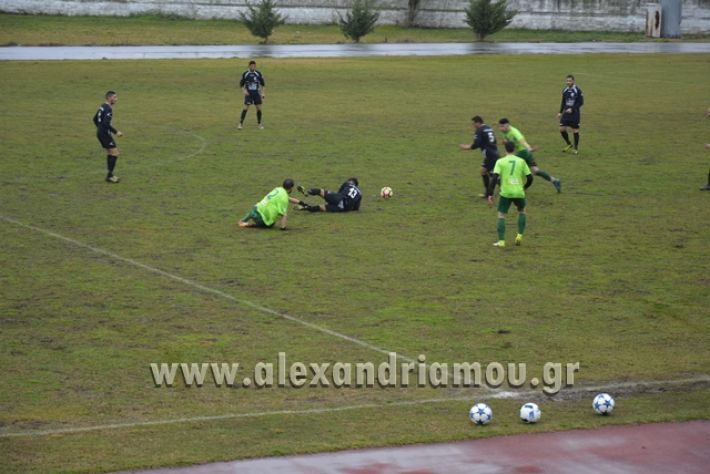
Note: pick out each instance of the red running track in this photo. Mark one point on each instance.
(664, 448)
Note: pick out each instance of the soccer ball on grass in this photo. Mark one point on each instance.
(603, 404)
(480, 414)
(386, 192)
(530, 413)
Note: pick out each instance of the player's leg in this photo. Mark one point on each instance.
(253, 216)
(503, 207)
(565, 137)
(522, 220)
(258, 116)
(575, 133)
(247, 103)
(707, 186)
(486, 177)
(111, 159)
(316, 207)
(545, 175)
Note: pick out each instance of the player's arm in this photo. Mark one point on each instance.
(580, 99)
(294, 200)
(562, 105)
(495, 177)
(243, 84)
(528, 181)
(526, 145)
(472, 146)
(263, 86)
(283, 222)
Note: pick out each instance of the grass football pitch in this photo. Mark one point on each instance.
(99, 281)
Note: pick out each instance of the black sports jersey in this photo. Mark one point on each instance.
(572, 98)
(485, 139)
(251, 80)
(351, 196)
(102, 119)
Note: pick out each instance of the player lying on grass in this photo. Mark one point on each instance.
(525, 151)
(510, 171)
(347, 198)
(273, 207)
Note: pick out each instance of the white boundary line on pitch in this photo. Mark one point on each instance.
(364, 406)
(203, 288)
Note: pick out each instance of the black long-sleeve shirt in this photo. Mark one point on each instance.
(102, 119)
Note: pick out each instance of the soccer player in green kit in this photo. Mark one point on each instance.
(511, 171)
(524, 151)
(273, 207)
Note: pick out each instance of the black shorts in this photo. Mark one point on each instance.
(254, 98)
(570, 120)
(106, 140)
(489, 160)
(334, 202)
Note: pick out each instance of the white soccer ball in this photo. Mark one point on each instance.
(530, 413)
(603, 404)
(386, 192)
(480, 414)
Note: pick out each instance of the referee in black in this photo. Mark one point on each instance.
(569, 115)
(105, 132)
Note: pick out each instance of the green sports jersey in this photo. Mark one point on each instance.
(513, 135)
(273, 206)
(512, 171)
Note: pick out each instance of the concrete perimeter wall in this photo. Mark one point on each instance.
(575, 15)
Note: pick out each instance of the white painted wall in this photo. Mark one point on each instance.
(574, 15)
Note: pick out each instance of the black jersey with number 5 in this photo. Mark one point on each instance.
(485, 139)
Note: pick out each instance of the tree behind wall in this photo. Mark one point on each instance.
(359, 21)
(262, 20)
(485, 17)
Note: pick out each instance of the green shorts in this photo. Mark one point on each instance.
(254, 215)
(527, 156)
(504, 204)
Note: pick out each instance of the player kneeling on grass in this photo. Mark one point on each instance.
(273, 207)
(347, 198)
(510, 171)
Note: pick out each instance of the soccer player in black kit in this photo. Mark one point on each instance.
(253, 87)
(347, 198)
(572, 101)
(105, 131)
(485, 140)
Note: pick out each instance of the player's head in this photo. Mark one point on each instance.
(509, 147)
(570, 80)
(111, 97)
(353, 181)
(288, 184)
(504, 124)
(477, 121)
(252, 65)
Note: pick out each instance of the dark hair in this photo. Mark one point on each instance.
(570, 76)
(503, 121)
(354, 181)
(109, 94)
(252, 62)
(509, 147)
(477, 119)
(288, 183)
